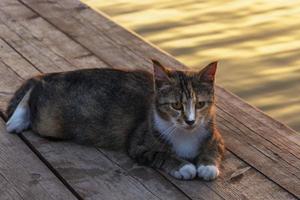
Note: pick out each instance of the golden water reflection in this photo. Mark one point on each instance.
(257, 43)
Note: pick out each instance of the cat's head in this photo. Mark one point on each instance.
(184, 98)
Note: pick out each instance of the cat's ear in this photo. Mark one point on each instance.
(209, 72)
(159, 71)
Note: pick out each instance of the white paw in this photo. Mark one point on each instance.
(208, 172)
(19, 121)
(186, 172)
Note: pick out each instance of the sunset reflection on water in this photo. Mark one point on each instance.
(257, 43)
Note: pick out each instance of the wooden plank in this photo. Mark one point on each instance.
(230, 184)
(276, 159)
(104, 48)
(4, 98)
(22, 174)
(9, 80)
(238, 180)
(95, 176)
(145, 175)
(30, 35)
(27, 50)
(76, 33)
(118, 34)
(261, 122)
(10, 57)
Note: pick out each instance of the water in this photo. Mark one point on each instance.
(257, 43)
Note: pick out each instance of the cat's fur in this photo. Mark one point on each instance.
(165, 122)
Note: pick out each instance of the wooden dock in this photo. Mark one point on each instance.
(262, 160)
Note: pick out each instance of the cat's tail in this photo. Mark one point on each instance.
(18, 111)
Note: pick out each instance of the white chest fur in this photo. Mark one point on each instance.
(184, 143)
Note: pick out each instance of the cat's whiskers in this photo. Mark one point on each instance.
(162, 136)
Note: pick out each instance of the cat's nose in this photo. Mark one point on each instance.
(190, 122)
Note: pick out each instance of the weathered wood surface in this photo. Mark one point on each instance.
(23, 175)
(38, 36)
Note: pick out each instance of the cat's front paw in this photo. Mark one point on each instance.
(186, 172)
(208, 172)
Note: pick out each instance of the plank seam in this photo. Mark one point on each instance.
(103, 33)
(267, 155)
(280, 141)
(281, 157)
(259, 171)
(263, 174)
(43, 160)
(34, 45)
(111, 160)
(95, 28)
(140, 38)
(279, 125)
(21, 56)
(13, 71)
(50, 167)
(289, 131)
(165, 177)
(250, 129)
(67, 34)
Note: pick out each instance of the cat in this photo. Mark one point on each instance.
(165, 120)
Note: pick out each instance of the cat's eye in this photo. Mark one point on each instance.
(200, 104)
(176, 106)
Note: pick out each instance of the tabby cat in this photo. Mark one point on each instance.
(165, 120)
